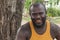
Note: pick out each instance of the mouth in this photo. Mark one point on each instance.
(38, 21)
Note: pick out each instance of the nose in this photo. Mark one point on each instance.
(38, 16)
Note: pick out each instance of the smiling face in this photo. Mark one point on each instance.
(38, 15)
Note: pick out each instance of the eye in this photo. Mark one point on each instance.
(34, 14)
(41, 13)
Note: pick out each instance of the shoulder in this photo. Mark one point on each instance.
(55, 30)
(24, 30)
(25, 27)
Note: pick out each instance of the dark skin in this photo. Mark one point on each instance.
(38, 13)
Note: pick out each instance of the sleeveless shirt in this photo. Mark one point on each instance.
(45, 36)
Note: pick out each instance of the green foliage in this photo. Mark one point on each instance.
(53, 2)
(58, 1)
(41, 1)
(53, 12)
(27, 4)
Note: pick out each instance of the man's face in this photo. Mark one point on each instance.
(38, 15)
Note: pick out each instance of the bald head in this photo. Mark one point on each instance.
(38, 14)
(37, 6)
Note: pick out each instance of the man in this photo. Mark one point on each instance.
(38, 28)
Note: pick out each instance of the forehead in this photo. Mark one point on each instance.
(39, 8)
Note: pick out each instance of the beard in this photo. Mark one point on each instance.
(39, 24)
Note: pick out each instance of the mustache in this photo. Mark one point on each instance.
(37, 19)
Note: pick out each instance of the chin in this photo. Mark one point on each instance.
(40, 24)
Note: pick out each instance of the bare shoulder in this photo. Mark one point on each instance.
(23, 32)
(55, 31)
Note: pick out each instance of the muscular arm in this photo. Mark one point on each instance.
(23, 33)
(56, 30)
(20, 35)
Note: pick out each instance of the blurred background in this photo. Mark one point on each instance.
(14, 13)
(52, 7)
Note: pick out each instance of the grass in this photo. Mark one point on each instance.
(56, 20)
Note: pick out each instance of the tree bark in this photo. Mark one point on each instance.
(10, 18)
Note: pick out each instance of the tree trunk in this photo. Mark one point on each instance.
(10, 18)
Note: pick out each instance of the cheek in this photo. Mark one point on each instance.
(32, 17)
(43, 18)
(43, 15)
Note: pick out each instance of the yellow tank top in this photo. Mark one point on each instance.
(45, 36)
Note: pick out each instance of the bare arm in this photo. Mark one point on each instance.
(20, 34)
(58, 33)
(56, 30)
(23, 32)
